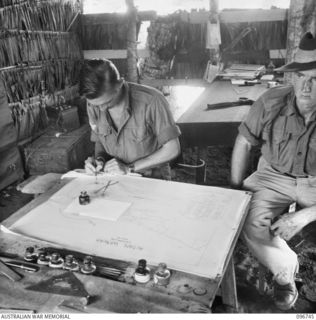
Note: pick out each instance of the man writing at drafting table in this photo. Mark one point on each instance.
(131, 124)
(283, 122)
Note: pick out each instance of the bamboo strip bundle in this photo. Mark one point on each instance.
(28, 118)
(35, 50)
(7, 3)
(29, 115)
(60, 74)
(35, 47)
(69, 94)
(60, 13)
(55, 15)
(25, 82)
(30, 100)
(21, 84)
(16, 16)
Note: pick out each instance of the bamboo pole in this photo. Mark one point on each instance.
(35, 65)
(79, 6)
(73, 21)
(38, 32)
(9, 68)
(214, 18)
(214, 10)
(131, 44)
(81, 3)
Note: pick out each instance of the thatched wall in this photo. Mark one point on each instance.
(254, 47)
(38, 58)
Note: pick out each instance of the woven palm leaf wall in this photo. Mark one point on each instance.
(38, 57)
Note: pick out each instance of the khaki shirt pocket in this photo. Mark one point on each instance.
(139, 142)
(108, 140)
(139, 134)
(277, 146)
(282, 149)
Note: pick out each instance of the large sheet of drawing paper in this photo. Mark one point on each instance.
(189, 227)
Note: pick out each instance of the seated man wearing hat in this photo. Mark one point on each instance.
(283, 122)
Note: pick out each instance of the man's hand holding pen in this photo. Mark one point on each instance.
(94, 166)
(114, 166)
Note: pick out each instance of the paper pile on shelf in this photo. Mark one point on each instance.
(243, 71)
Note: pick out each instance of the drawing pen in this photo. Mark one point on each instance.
(110, 268)
(22, 265)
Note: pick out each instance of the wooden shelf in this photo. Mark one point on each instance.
(174, 82)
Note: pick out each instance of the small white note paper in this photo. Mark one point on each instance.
(99, 208)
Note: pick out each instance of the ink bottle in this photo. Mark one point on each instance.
(162, 275)
(84, 198)
(142, 272)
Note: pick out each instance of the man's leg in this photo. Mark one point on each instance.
(273, 193)
(271, 251)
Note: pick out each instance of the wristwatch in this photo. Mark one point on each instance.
(131, 168)
(100, 159)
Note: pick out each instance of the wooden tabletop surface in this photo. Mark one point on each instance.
(221, 91)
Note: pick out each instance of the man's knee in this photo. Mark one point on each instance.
(257, 227)
(265, 206)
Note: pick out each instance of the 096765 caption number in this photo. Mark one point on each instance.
(304, 316)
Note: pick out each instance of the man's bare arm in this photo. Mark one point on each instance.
(240, 161)
(290, 224)
(167, 152)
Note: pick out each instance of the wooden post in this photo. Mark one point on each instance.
(214, 18)
(301, 19)
(214, 9)
(229, 289)
(81, 4)
(131, 45)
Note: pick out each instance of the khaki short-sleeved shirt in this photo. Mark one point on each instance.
(146, 125)
(287, 144)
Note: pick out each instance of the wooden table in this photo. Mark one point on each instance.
(181, 295)
(201, 127)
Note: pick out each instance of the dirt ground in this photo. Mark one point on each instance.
(247, 268)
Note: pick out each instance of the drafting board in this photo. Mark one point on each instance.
(189, 227)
